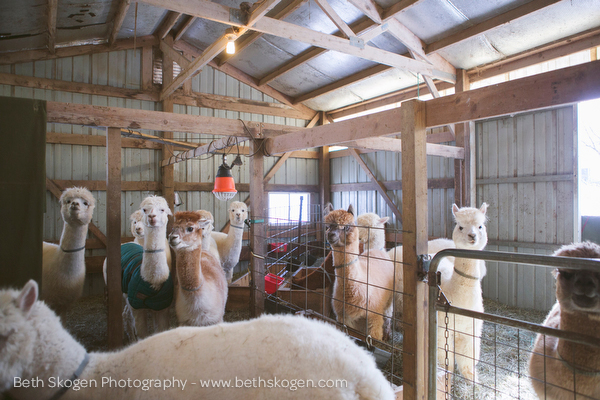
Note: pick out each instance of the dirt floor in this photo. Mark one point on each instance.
(502, 370)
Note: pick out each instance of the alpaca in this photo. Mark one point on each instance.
(202, 291)
(461, 284)
(63, 265)
(230, 244)
(559, 368)
(208, 243)
(363, 283)
(148, 283)
(36, 348)
(371, 230)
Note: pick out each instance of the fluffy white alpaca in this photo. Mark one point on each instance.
(371, 231)
(33, 344)
(202, 290)
(154, 269)
(559, 367)
(63, 265)
(363, 284)
(461, 284)
(230, 244)
(208, 242)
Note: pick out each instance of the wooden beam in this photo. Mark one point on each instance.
(257, 228)
(398, 8)
(186, 25)
(101, 185)
(96, 140)
(555, 88)
(128, 133)
(118, 19)
(251, 37)
(275, 187)
(276, 167)
(127, 118)
(147, 68)
(414, 226)
(369, 8)
(391, 144)
(215, 12)
(441, 183)
(380, 124)
(113, 230)
(462, 168)
(52, 13)
(57, 190)
(259, 10)
(167, 172)
(526, 9)
(16, 57)
(167, 24)
(211, 147)
(377, 185)
(335, 18)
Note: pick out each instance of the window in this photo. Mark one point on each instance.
(589, 151)
(284, 208)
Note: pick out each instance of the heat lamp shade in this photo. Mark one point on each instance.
(224, 184)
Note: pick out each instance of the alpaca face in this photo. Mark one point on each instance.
(137, 224)
(77, 206)
(370, 220)
(209, 227)
(470, 231)
(187, 231)
(238, 212)
(579, 290)
(156, 211)
(340, 227)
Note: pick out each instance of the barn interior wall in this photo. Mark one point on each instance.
(122, 69)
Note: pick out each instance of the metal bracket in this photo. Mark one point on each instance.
(357, 42)
(255, 129)
(236, 16)
(385, 27)
(423, 262)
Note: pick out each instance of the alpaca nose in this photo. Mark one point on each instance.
(472, 236)
(584, 285)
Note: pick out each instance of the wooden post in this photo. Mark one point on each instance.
(113, 237)
(168, 178)
(414, 210)
(258, 205)
(462, 168)
(147, 68)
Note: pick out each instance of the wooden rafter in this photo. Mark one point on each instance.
(391, 144)
(489, 24)
(128, 133)
(186, 25)
(251, 37)
(377, 185)
(167, 24)
(52, 13)
(335, 18)
(211, 147)
(118, 20)
(259, 10)
(216, 12)
(399, 7)
(369, 8)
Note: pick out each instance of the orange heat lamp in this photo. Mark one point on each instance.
(224, 184)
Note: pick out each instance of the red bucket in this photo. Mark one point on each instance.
(278, 247)
(272, 283)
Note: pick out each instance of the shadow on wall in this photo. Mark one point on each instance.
(590, 228)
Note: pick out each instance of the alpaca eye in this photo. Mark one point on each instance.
(162, 210)
(480, 227)
(68, 201)
(347, 228)
(190, 229)
(566, 274)
(85, 203)
(460, 228)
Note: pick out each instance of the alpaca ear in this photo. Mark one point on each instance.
(328, 209)
(203, 223)
(28, 296)
(351, 209)
(383, 220)
(483, 208)
(454, 209)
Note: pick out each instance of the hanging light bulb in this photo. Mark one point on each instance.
(224, 184)
(231, 36)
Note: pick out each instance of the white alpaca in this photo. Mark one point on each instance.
(154, 271)
(208, 242)
(461, 284)
(561, 369)
(230, 244)
(252, 354)
(202, 291)
(63, 265)
(371, 231)
(363, 284)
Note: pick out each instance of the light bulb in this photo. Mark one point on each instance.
(230, 47)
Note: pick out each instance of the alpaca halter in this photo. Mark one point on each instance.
(235, 226)
(73, 377)
(475, 278)
(576, 369)
(154, 251)
(73, 250)
(346, 264)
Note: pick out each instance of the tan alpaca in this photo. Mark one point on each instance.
(63, 265)
(363, 284)
(208, 243)
(371, 231)
(202, 291)
(559, 368)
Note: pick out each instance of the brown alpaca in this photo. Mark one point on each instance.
(363, 283)
(202, 291)
(559, 367)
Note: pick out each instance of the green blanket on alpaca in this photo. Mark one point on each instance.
(139, 292)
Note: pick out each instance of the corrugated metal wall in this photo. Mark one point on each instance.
(387, 166)
(123, 69)
(527, 173)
